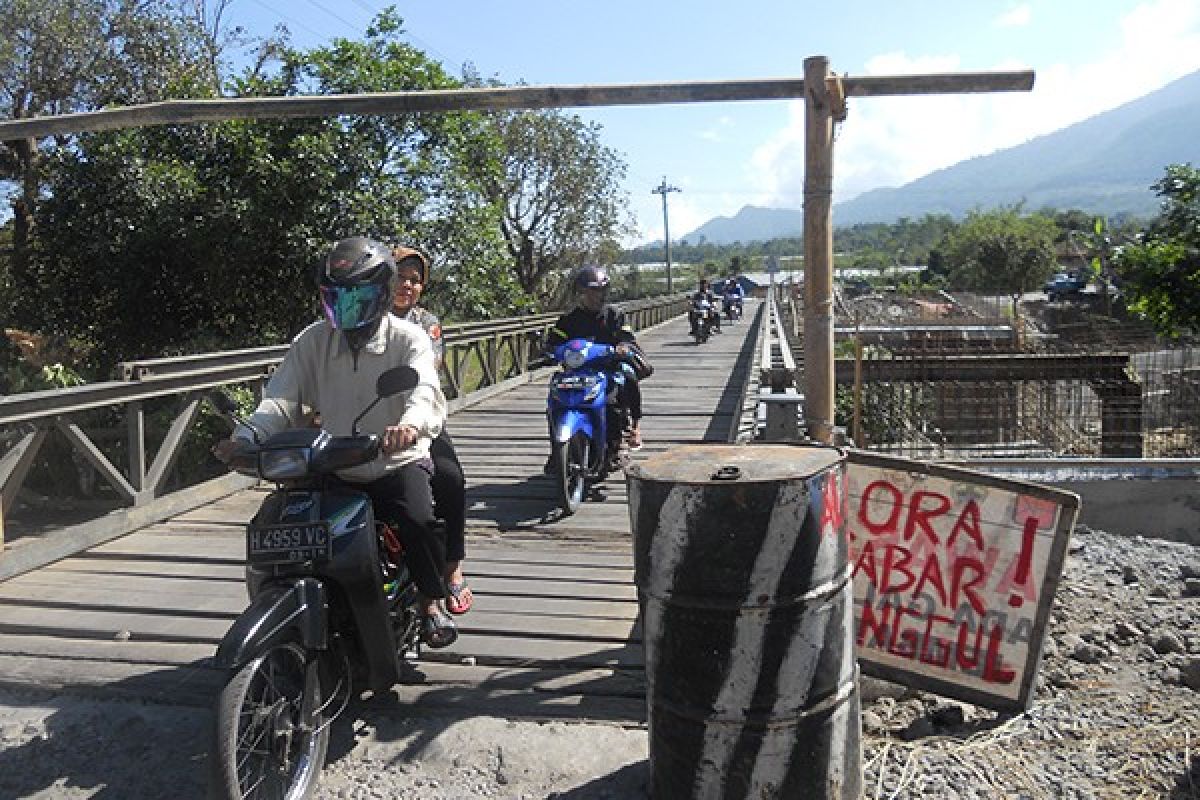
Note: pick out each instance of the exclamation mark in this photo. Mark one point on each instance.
(1024, 560)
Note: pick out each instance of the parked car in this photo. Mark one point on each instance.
(1064, 284)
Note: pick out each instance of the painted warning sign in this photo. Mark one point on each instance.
(954, 575)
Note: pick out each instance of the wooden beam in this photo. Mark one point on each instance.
(187, 112)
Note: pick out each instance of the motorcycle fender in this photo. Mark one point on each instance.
(277, 613)
(566, 424)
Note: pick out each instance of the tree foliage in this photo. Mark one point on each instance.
(167, 240)
(561, 194)
(1000, 250)
(77, 55)
(1161, 269)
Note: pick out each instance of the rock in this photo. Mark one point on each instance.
(1191, 587)
(872, 722)
(1165, 643)
(1129, 574)
(1189, 675)
(1124, 632)
(1189, 571)
(919, 728)
(1089, 653)
(948, 715)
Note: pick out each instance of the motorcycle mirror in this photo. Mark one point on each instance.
(222, 402)
(391, 382)
(396, 380)
(227, 407)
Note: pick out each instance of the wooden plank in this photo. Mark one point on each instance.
(178, 685)
(88, 624)
(88, 650)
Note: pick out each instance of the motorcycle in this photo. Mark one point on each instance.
(703, 322)
(733, 307)
(332, 605)
(584, 419)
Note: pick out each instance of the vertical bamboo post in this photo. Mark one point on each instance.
(858, 358)
(818, 251)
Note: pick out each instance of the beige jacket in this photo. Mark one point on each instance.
(320, 374)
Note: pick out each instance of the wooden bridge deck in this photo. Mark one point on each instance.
(554, 628)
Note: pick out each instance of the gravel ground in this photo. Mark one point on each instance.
(1116, 715)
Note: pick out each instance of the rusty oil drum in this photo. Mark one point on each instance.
(741, 564)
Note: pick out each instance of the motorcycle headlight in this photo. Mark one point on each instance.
(592, 392)
(284, 464)
(574, 358)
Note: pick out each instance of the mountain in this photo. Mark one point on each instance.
(1104, 165)
(751, 224)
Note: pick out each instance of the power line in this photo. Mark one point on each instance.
(353, 26)
(287, 21)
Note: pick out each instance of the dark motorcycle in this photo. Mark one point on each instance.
(733, 307)
(703, 320)
(584, 419)
(332, 606)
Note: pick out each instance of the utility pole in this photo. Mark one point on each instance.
(662, 189)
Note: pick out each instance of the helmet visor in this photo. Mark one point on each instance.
(351, 307)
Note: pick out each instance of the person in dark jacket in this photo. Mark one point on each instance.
(593, 318)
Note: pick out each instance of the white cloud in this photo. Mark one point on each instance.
(888, 141)
(1015, 17)
(716, 132)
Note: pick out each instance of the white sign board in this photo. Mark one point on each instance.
(954, 575)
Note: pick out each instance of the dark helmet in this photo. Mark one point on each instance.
(357, 282)
(591, 277)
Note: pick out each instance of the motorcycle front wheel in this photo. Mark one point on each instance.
(572, 474)
(263, 750)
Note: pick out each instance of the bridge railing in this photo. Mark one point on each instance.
(481, 357)
(780, 403)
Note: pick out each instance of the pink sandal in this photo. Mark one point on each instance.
(459, 598)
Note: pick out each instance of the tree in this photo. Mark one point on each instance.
(560, 191)
(77, 55)
(1000, 250)
(165, 240)
(1160, 271)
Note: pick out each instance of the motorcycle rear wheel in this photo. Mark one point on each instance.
(261, 749)
(572, 474)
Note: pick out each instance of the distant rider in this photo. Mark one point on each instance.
(734, 295)
(593, 318)
(702, 296)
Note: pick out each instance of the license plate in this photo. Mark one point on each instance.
(288, 544)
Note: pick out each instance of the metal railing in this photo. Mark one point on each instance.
(480, 356)
(780, 403)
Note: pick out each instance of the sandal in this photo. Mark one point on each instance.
(460, 598)
(437, 629)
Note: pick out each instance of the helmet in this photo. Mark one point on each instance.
(356, 283)
(591, 277)
(412, 258)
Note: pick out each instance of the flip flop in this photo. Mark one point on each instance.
(460, 598)
(437, 630)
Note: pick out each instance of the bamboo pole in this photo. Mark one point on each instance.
(818, 251)
(186, 112)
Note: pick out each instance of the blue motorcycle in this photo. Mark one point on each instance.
(584, 417)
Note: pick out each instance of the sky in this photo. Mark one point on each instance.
(1088, 55)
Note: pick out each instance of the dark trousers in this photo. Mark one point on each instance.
(629, 395)
(450, 495)
(404, 498)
